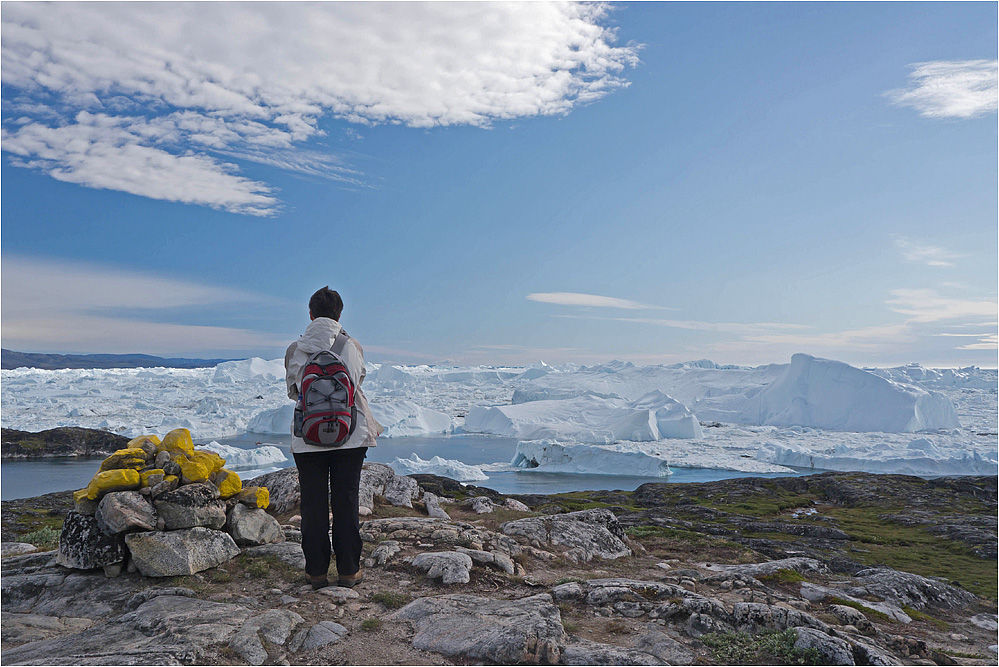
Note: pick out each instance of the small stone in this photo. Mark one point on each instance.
(134, 458)
(254, 496)
(161, 459)
(171, 468)
(112, 571)
(667, 566)
(287, 599)
(110, 481)
(339, 594)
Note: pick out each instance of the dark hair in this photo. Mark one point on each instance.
(326, 303)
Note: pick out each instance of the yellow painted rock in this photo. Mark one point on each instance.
(83, 504)
(192, 471)
(144, 476)
(210, 460)
(255, 496)
(147, 443)
(112, 480)
(133, 457)
(178, 440)
(228, 483)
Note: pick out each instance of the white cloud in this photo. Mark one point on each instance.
(591, 300)
(63, 306)
(926, 305)
(952, 89)
(108, 156)
(253, 80)
(924, 253)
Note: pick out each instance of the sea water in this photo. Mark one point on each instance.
(24, 478)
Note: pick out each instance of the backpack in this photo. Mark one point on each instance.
(326, 413)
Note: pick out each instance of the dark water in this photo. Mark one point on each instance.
(26, 478)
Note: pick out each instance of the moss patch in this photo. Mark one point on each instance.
(766, 648)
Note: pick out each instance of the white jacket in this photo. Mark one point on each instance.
(319, 336)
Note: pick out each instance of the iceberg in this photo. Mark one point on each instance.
(588, 419)
(921, 459)
(835, 396)
(554, 456)
(402, 418)
(276, 421)
(237, 457)
(645, 459)
(437, 466)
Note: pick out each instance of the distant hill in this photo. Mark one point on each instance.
(13, 359)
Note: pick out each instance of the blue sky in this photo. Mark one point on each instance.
(498, 184)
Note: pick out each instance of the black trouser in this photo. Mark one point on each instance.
(324, 478)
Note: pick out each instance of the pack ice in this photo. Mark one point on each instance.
(614, 418)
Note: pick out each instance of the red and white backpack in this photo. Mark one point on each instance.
(326, 413)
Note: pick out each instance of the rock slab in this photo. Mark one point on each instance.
(180, 552)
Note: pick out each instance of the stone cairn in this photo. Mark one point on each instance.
(164, 509)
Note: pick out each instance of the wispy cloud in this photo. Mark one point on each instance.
(926, 305)
(951, 89)
(50, 305)
(590, 300)
(171, 84)
(924, 253)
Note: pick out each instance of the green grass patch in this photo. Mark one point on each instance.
(914, 549)
(371, 624)
(871, 614)
(391, 599)
(786, 577)
(583, 500)
(917, 615)
(45, 538)
(767, 648)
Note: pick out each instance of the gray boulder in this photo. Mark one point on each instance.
(528, 630)
(286, 552)
(252, 527)
(586, 534)
(401, 491)
(191, 505)
(754, 616)
(273, 628)
(16, 548)
(834, 651)
(125, 511)
(480, 504)
(450, 567)
(383, 553)
(910, 590)
(657, 643)
(84, 545)
(179, 552)
(321, 634)
(282, 485)
(497, 559)
(374, 478)
(434, 509)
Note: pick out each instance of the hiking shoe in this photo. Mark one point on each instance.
(351, 580)
(318, 582)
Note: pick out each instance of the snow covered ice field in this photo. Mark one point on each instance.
(615, 418)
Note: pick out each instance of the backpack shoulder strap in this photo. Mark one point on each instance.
(339, 343)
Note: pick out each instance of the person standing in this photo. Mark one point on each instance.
(329, 477)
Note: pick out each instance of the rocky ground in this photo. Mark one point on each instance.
(65, 441)
(839, 568)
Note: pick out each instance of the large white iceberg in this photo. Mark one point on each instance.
(920, 457)
(589, 419)
(402, 418)
(276, 421)
(237, 457)
(456, 470)
(832, 395)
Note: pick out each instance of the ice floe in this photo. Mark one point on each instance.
(238, 457)
(438, 466)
